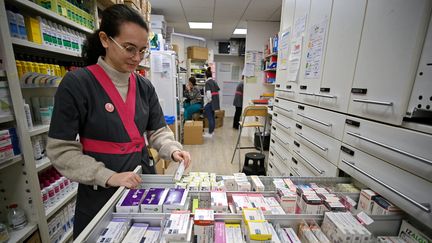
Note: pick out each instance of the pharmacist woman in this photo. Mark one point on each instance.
(111, 109)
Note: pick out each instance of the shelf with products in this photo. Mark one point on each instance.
(39, 129)
(42, 164)
(7, 162)
(22, 234)
(44, 48)
(271, 55)
(6, 118)
(63, 201)
(67, 236)
(39, 10)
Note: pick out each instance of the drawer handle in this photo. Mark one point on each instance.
(287, 91)
(311, 141)
(295, 171)
(282, 125)
(307, 93)
(286, 143)
(284, 109)
(423, 206)
(424, 160)
(315, 120)
(311, 164)
(280, 157)
(375, 102)
(326, 96)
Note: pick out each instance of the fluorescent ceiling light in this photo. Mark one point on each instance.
(240, 32)
(201, 25)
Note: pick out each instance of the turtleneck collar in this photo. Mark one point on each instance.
(118, 78)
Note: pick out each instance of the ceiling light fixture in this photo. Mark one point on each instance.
(201, 25)
(240, 32)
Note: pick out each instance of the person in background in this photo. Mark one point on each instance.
(193, 95)
(211, 101)
(111, 109)
(238, 103)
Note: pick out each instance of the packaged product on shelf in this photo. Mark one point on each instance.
(279, 183)
(287, 200)
(219, 201)
(311, 204)
(205, 186)
(153, 200)
(390, 239)
(136, 233)
(152, 235)
(204, 225)
(219, 233)
(33, 29)
(175, 200)
(366, 201)
(306, 235)
(233, 233)
(384, 207)
(177, 226)
(257, 201)
(114, 231)
(252, 214)
(195, 204)
(257, 185)
(194, 186)
(410, 233)
(343, 227)
(179, 172)
(290, 185)
(274, 205)
(240, 202)
(130, 201)
(292, 236)
(229, 183)
(243, 186)
(316, 230)
(275, 236)
(258, 231)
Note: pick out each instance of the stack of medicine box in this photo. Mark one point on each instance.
(178, 227)
(256, 228)
(9, 146)
(130, 201)
(286, 195)
(204, 226)
(219, 233)
(153, 200)
(343, 227)
(257, 184)
(175, 200)
(114, 231)
(242, 183)
(200, 181)
(219, 201)
(136, 233)
(288, 235)
(233, 233)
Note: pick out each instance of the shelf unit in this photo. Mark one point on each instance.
(26, 191)
(22, 234)
(67, 236)
(63, 201)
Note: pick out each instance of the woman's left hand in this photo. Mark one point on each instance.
(182, 155)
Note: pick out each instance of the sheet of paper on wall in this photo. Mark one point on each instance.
(294, 58)
(251, 80)
(225, 67)
(284, 49)
(249, 70)
(156, 63)
(300, 26)
(315, 49)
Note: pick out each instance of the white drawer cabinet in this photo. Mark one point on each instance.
(319, 16)
(317, 164)
(320, 143)
(286, 91)
(403, 148)
(281, 130)
(410, 192)
(286, 107)
(278, 163)
(271, 170)
(341, 55)
(327, 122)
(390, 47)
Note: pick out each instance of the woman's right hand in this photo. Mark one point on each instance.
(126, 179)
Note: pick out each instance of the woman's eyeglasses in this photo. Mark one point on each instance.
(132, 50)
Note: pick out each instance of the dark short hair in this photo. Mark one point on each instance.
(208, 73)
(112, 18)
(192, 80)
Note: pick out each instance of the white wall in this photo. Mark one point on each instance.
(257, 36)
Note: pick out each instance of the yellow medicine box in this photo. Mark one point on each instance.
(33, 30)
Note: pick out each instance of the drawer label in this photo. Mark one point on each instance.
(294, 160)
(299, 126)
(277, 85)
(274, 128)
(352, 122)
(303, 87)
(288, 86)
(347, 150)
(296, 144)
(325, 90)
(301, 107)
(276, 100)
(358, 91)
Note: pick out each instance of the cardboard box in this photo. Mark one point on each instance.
(219, 233)
(136, 233)
(193, 132)
(366, 201)
(153, 201)
(197, 52)
(175, 200)
(130, 201)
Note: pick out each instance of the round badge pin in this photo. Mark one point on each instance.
(109, 107)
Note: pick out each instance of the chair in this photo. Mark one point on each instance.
(251, 111)
(257, 166)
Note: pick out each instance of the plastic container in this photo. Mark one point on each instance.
(21, 26)
(4, 234)
(51, 193)
(37, 148)
(16, 217)
(28, 116)
(13, 26)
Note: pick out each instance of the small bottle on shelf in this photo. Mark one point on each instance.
(16, 217)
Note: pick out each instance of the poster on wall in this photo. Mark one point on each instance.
(252, 63)
(300, 26)
(315, 50)
(284, 49)
(294, 58)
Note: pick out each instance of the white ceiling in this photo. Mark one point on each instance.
(226, 15)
